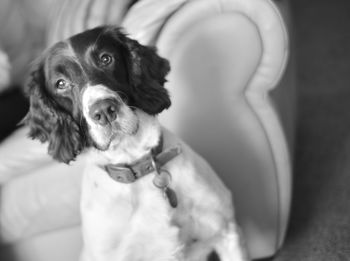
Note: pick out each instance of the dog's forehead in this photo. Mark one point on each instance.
(83, 41)
(58, 57)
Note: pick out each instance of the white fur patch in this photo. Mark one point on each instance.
(130, 222)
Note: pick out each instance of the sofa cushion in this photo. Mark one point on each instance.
(72, 17)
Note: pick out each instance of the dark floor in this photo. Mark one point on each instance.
(320, 220)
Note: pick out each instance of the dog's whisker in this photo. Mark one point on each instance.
(133, 107)
(122, 94)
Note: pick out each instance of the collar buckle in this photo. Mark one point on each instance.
(123, 174)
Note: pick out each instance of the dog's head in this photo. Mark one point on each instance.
(85, 91)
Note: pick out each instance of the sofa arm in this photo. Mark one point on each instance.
(39, 203)
(61, 245)
(233, 100)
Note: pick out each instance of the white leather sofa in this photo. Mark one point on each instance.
(232, 87)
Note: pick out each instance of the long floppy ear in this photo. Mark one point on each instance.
(147, 75)
(50, 124)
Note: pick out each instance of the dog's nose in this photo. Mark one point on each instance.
(104, 111)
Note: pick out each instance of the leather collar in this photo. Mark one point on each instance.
(153, 161)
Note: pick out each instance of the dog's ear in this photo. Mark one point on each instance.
(147, 72)
(48, 123)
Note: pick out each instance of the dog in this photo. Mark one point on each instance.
(146, 195)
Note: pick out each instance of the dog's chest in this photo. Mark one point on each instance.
(119, 216)
(123, 220)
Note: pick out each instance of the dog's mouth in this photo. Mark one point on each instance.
(108, 117)
(103, 138)
(114, 129)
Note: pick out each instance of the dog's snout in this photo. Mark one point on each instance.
(104, 111)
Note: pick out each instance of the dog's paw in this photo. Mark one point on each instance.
(231, 245)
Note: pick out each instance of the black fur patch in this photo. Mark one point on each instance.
(213, 256)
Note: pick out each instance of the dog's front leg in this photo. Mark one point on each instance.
(230, 245)
(225, 245)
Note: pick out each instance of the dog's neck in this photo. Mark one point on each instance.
(130, 148)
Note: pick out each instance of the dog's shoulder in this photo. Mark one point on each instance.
(191, 171)
(188, 159)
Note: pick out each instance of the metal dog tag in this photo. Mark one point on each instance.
(162, 181)
(171, 196)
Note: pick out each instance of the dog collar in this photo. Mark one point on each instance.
(151, 162)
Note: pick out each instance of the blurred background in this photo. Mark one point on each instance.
(320, 216)
(319, 227)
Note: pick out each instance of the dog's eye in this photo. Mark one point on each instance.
(105, 59)
(62, 84)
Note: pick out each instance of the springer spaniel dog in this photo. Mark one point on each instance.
(146, 195)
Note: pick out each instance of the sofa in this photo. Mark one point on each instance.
(232, 89)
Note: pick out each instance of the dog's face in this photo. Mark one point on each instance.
(85, 91)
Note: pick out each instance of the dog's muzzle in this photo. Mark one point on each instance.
(104, 111)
